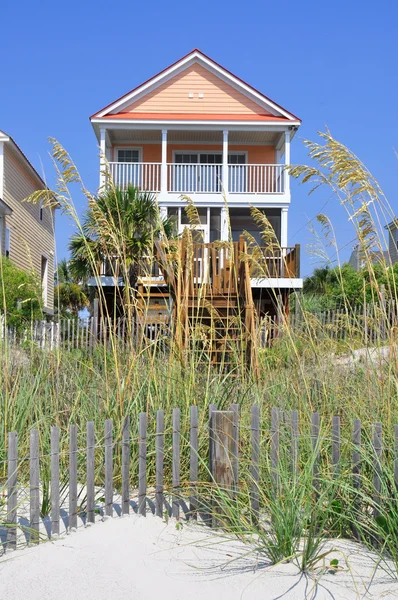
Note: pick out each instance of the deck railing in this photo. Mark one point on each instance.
(145, 176)
(256, 179)
(278, 262)
(185, 178)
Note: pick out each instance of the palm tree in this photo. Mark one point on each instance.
(120, 227)
(320, 282)
(70, 292)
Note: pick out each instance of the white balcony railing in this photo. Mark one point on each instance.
(201, 178)
(197, 178)
(145, 176)
(256, 179)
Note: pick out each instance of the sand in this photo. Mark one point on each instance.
(144, 558)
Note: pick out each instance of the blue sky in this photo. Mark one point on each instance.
(333, 64)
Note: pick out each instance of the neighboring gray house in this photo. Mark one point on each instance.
(392, 229)
(358, 261)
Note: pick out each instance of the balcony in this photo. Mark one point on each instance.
(200, 178)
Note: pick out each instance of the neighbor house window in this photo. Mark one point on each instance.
(41, 211)
(128, 155)
(44, 279)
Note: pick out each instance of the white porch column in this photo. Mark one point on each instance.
(225, 161)
(224, 224)
(163, 174)
(102, 157)
(163, 212)
(284, 227)
(287, 162)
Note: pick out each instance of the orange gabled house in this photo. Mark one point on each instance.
(196, 129)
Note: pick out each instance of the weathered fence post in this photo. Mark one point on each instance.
(396, 457)
(295, 438)
(73, 477)
(315, 449)
(194, 461)
(108, 469)
(12, 491)
(336, 445)
(34, 487)
(55, 481)
(356, 470)
(159, 501)
(377, 447)
(235, 445)
(275, 447)
(142, 449)
(126, 466)
(255, 461)
(222, 449)
(90, 472)
(176, 464)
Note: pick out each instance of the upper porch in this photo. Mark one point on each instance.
(245, 164)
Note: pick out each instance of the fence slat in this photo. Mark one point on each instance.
(73, 477)
(235, 444)
(396, 457)
(159, 501)
(294, 441)
(12, 490)
(55, 491)
(176, 463)
(255, 461)
(377, 447)
(126, 466)
(336, 442)
(212, 407)
(315, 450)
(142, 451)
(34, 487)
(90, 471)
(194, 461)
(275, 447)
(108, 468)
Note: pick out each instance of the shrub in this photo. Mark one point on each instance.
(20, 296)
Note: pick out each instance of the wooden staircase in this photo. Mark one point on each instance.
(213, 305)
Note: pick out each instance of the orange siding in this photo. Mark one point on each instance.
(218, 96)
(257, 155)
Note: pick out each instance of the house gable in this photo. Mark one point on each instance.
(196, 91)
(195, 85)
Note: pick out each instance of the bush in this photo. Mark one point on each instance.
(20, 296)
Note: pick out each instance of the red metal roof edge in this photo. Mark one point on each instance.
(179, 60)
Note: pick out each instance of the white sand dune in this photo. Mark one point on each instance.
(141, 558)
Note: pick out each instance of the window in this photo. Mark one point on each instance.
(44, 278)
(236, 159)
(41, 211)
(7, 245)
(128, 155)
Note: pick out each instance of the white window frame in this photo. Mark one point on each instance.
(116, 153)
(199, 152)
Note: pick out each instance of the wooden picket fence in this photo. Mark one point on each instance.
(270, 439)
(370, 324)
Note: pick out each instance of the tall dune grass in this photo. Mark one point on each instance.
(300, 372)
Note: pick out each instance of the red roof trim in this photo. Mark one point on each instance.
(195, 117)
(175, 63)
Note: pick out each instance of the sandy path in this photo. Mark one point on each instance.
(143, 558)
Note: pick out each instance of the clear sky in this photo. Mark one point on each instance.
(333, 64)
